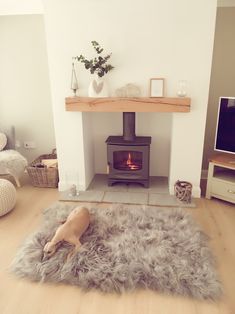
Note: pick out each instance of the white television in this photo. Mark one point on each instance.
(225, 126)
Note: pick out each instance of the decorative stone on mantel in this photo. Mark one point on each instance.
(117, 104)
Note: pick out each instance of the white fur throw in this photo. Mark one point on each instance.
(12, 162)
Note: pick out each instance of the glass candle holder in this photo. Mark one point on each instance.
(182, 88)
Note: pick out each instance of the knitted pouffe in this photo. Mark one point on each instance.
(7, 196)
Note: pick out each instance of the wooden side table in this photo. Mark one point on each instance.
(221, 177)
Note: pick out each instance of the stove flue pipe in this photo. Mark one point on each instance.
(129, 126)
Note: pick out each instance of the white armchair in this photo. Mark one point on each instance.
(12, 162)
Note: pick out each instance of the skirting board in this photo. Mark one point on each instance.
(204, 174)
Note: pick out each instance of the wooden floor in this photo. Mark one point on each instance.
(217, 219)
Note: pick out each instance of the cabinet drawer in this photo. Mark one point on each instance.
(226, 190)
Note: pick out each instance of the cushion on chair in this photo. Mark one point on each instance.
(3, 141)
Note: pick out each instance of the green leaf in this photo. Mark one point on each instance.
(97, 64)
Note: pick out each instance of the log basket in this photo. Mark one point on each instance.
(42, 176)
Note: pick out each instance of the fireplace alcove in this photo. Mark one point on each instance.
(128, 105)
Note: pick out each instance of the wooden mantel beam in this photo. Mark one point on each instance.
(117, 104)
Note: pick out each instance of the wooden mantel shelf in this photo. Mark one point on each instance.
(117, 104)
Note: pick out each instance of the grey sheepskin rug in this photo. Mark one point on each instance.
(125, 247)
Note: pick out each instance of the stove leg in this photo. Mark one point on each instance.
(110, 183)
(146, 184)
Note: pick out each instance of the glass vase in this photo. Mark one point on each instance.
(182, 88)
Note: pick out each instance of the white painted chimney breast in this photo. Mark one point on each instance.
(148, 39)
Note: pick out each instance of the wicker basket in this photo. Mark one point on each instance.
(183, 191)
(42, 176)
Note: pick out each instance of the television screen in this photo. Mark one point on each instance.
(225, 129)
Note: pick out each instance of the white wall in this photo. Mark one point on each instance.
(159, 127)
(13, 7)
(148, 39)
(88, 146)
(25, 99)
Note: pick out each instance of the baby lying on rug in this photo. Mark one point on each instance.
(70, 231)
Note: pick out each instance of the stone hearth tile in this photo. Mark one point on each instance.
(126, 197)
(167, 200)
(159, 185)
(100, 183)
(156, 185)
(84, 196)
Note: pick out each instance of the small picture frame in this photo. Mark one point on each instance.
(156, 87)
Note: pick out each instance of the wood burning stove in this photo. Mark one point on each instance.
(128, 155)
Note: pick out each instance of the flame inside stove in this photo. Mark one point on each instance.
(127, 161)
(130, 164)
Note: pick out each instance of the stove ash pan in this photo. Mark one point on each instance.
(128, 161)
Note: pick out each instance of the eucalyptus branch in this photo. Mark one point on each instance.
(98, 64)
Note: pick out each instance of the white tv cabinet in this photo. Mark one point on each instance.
(221, 178)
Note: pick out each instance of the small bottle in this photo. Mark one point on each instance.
(182, 88)
(73, 190)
